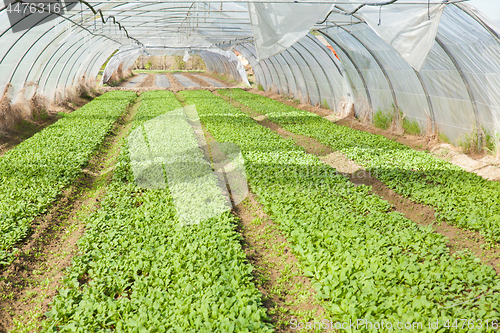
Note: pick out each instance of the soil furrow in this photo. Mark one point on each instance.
(484, 165)
(459, 239)
(28, 285)
(287, 294)
(201, 82)
(176, 86)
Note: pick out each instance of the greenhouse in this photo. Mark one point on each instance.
(250, 166)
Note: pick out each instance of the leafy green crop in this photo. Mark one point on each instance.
(459, 197)
(365, 261)
(146, 273)
(34, 173)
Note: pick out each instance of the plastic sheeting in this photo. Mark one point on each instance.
(276, 26)
(224, 62)
(406, 26)
(455, 92)
(409, 28)
(123, 58)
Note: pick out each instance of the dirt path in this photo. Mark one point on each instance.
(149, 82)
(176, 86)
(486, 166)
(29, 284)
(201, 82)
(459, 239)
(227, 83)
(287, 294)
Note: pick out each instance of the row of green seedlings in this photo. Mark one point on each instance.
(368, 263)
(459, 197)
(140, 271)
(34, 173)
(469, 142)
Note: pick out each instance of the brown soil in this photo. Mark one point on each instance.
(213, 77)
(149, 82)
(197, 80)
(28, 285)
(459, 239)
(287, 294)
(25, 130)
(486, 166)
(176, 86)
(29, 127)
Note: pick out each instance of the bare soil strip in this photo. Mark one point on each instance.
(459, 239)
(201, 82)
(486, 166)
(287, 294)
(176, 86)
(224, 82)
(148, 82)
(28, 285)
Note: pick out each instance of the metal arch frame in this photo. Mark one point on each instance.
(66, 63)
(329, 54)
(290, 69)
(211, 62)
(467, 86)
(100, 55)
(74, 63)
(24, 55)
(82, 43)
(322, 69)
(42, 51)
(222, 64)
(301, 73)
(125, 18)
(419, 77)
(429, 101)
(61, 16)
(80, 68)
(424, 88)
(24, 34)
(244, 49)
(206, 59)
(466, 10)
(272, 61)
(275, 59)
(50, 60)
(216, 62)
(270, 64)
(314, 77)
(495, 36)
(38, 57)
(257, 62)
(92, 61)
(230, 67)
(69, 74)
(269, 78)
(389, 82)
(355, 65)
